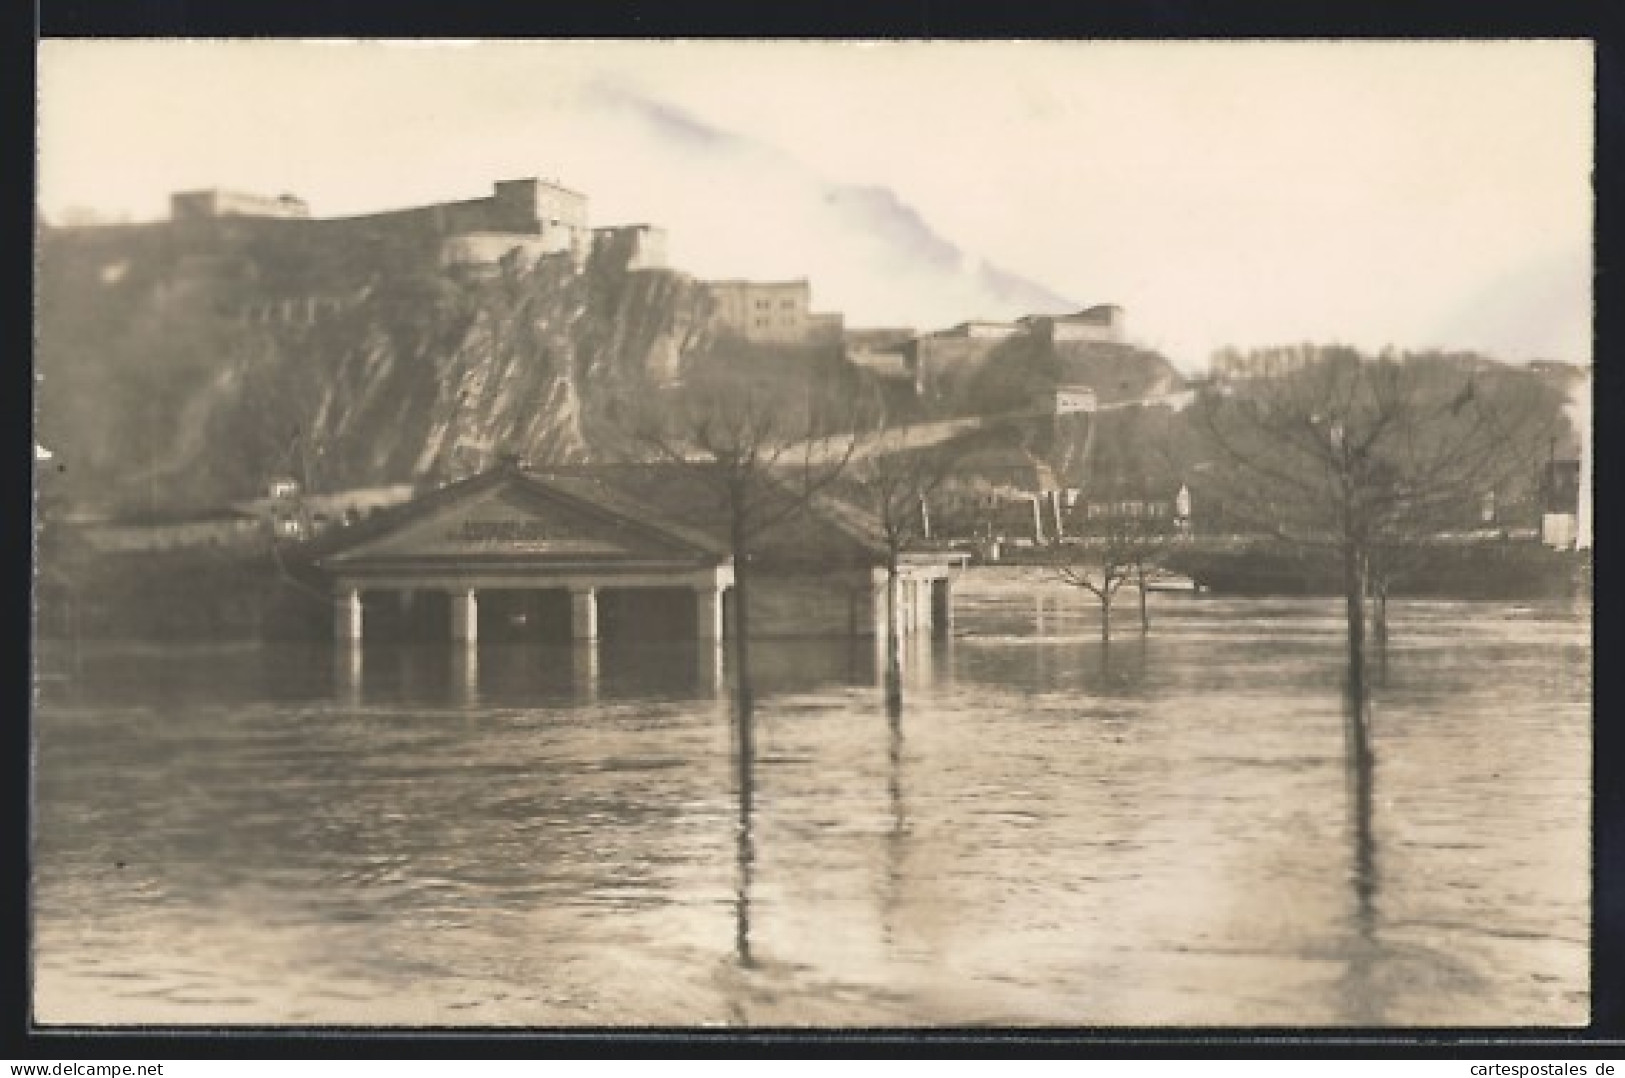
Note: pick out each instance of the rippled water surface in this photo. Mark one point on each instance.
(1177, 829)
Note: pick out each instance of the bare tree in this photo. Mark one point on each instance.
(1368, 459)
(1124, 530)
(1108, 551)
(763, 460)
(895, 484)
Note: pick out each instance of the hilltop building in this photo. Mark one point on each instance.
(878, 337)
(981, 330)
(530, 216)
(917, 360)
(201, 205)
(1101, 324)
(772, 312)
(537, 215)
(213, 243)
(645, 245)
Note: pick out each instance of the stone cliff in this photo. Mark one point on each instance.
(180, 367)
(184, 364)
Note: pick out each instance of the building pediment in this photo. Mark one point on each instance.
(520, 520)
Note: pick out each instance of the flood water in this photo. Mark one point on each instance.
(1174, 830)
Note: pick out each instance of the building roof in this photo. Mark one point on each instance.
(1100, 312)
(673, 508)
(685, 496)
(596, 523)
(541, 181)
(739, 282)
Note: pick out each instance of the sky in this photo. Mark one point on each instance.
(1245, 194)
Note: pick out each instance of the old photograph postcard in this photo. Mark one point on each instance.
(699, 534)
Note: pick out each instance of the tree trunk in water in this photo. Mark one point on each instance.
(894, 643)
(1106, 618)
(1354, 588)
(745, 852)
(745, 700)
(743, 692)
(1145, 619)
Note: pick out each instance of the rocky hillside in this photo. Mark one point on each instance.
(183, 364)
(181, 368)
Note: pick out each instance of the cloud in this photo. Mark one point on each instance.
(1222, 192)
(741, 208)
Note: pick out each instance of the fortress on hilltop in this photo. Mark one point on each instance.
(220, 237)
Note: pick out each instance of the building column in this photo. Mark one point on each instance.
(465, 616)
(465, 665)
(1038, 521)
(584, 669)
(708, 613)
(584, 613)
(347, 616)
(711, 668)
(348, 672)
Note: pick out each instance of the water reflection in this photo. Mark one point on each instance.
(897, 812)
(584, 670)
(1179, 828)
(710, 668)
(349, 670)
(1364, 1005)
(465, 660)
(745, 848)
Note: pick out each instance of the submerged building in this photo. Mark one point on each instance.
(608, 551)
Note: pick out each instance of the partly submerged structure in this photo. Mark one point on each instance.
(613, 551)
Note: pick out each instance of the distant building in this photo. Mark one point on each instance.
(545, 208)
(1101, 324)
(1229, 365)
(978, 329)
(775, 312)
(824, 327)
(1560, 504)
(877, 337)
(214, 238)
(486, 252)
(930, 356)
(897, 365)
(1119, 502)
(530, 216)
(645, 245)
(199, 205)
(1070, 400)
(887, 352)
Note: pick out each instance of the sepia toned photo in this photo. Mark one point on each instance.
(794, 534)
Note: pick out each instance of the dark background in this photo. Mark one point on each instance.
(797, 18)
